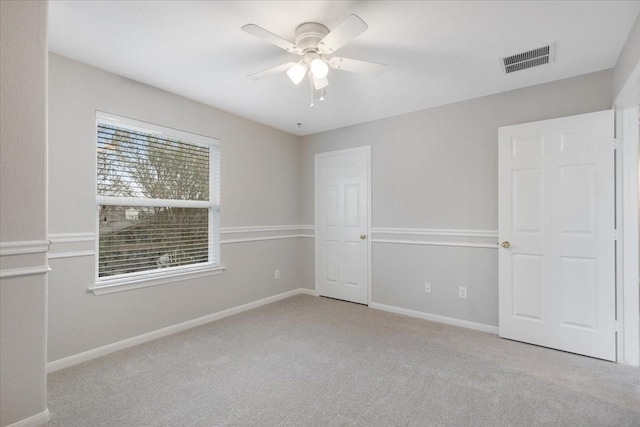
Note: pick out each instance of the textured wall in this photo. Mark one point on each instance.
(438, 169)
(259, 175)
(23, 223)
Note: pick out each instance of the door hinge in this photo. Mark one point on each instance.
(616, 326)
(617, 234)
(617, 142)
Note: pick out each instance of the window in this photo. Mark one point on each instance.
(157, 201)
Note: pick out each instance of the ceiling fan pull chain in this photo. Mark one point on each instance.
(311, 87)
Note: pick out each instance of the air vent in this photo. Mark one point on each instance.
(532, 58)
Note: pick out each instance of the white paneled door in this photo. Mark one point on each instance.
(557, 234)
(342, 206)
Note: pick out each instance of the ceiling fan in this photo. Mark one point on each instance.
(314, 42)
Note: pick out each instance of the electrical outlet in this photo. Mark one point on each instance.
(462, 292)
(276, 274)
(427, 288)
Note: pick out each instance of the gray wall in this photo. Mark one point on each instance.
(437, 169)
(23, 207)
(434, 169)
(259, 175)
(625, 73)
(445, 155)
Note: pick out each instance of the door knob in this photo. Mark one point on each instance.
(363, 236)
(506, 244)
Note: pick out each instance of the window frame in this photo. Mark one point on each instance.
(125, 281)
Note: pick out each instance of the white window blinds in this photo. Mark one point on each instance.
(157, 194)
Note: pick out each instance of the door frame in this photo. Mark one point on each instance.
(627, 243)
(627, 204)
(363, 149)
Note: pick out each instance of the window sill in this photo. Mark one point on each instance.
(144, 282)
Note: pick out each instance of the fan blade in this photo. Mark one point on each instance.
(346, 31)
(320, 83)
(269, 37)
(356, 66)
(271, 71)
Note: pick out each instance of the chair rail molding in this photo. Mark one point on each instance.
(437, 243)
(72, 237)
(468, 238)
(436, 232)
(72, 245)
(25, 271)
(23, 258)
(475, 238)
(263, 232)
(251, 233)
(25, 247)
(259, 229)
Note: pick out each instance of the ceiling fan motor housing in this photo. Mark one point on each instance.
(309, 34)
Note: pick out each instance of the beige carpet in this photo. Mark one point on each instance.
(309, 361)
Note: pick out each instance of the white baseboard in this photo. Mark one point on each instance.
(436, 318)
(306, 291)
(36, 420)
(66, 362)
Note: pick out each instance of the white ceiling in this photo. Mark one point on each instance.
(436, 52)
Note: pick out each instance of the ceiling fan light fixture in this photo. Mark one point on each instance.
(312, 40)
(319, 68)
(320, 83)
(297, 72)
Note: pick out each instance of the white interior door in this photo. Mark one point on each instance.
(342, 224)
(557, 234)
